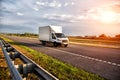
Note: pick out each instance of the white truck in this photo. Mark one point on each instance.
(52, 34)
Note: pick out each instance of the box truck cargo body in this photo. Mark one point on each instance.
(52, 34)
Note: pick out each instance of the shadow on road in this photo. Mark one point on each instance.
(26, 44)
(34, 44)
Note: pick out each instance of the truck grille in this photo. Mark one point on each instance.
(64, 41)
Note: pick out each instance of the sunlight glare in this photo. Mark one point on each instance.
(107, 16)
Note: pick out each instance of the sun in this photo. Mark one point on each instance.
(107, 16)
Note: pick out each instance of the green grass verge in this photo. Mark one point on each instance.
(61, 70)
(4, 73)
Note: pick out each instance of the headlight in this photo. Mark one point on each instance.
(64, 40)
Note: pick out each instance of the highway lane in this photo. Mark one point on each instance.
(102, 61)
(107, 54)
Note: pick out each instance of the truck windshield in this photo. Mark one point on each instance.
(60, 35)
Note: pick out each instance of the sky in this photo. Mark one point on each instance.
(77, 17)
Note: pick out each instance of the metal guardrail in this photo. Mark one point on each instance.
(21, 71)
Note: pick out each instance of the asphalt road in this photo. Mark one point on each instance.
(98, 60)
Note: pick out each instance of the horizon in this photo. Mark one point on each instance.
(65, 34)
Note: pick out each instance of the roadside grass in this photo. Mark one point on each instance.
(95, 41)
(4, 72)
(61, 70)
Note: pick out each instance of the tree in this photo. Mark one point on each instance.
(103, 36)
(118, 35)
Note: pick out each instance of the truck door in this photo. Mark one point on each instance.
(53, 37)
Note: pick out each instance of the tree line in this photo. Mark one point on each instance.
(101, 36)
(26, 34)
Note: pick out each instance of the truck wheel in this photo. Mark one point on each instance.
(65, 45)
(43, 43)
(55, 44)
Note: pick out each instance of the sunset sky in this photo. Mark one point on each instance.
(77, 17)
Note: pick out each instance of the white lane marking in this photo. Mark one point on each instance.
(87, 57)
(105, 61)
(118, 65)
(114, 64)
(100, 60)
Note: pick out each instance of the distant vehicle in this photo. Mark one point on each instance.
(53, 34)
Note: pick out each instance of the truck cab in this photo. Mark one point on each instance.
(59, 39)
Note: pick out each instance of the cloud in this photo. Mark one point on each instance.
(58, 17)
(105, 13)
(82, 17)
(20, 14)
(72, 3)
(69, 4)
(65, 17)
(69, 13)
(36, 9)
(54, 4)
(15, 29)
(40, 3)
(59, 5)
(13, 21)
(66, 4)
(116, 7)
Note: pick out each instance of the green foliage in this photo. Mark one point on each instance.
(61, 70)
(26, 34)
(4, 74)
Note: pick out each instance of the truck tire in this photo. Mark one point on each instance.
(65, 45)
(55, 44)
(43, 43)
